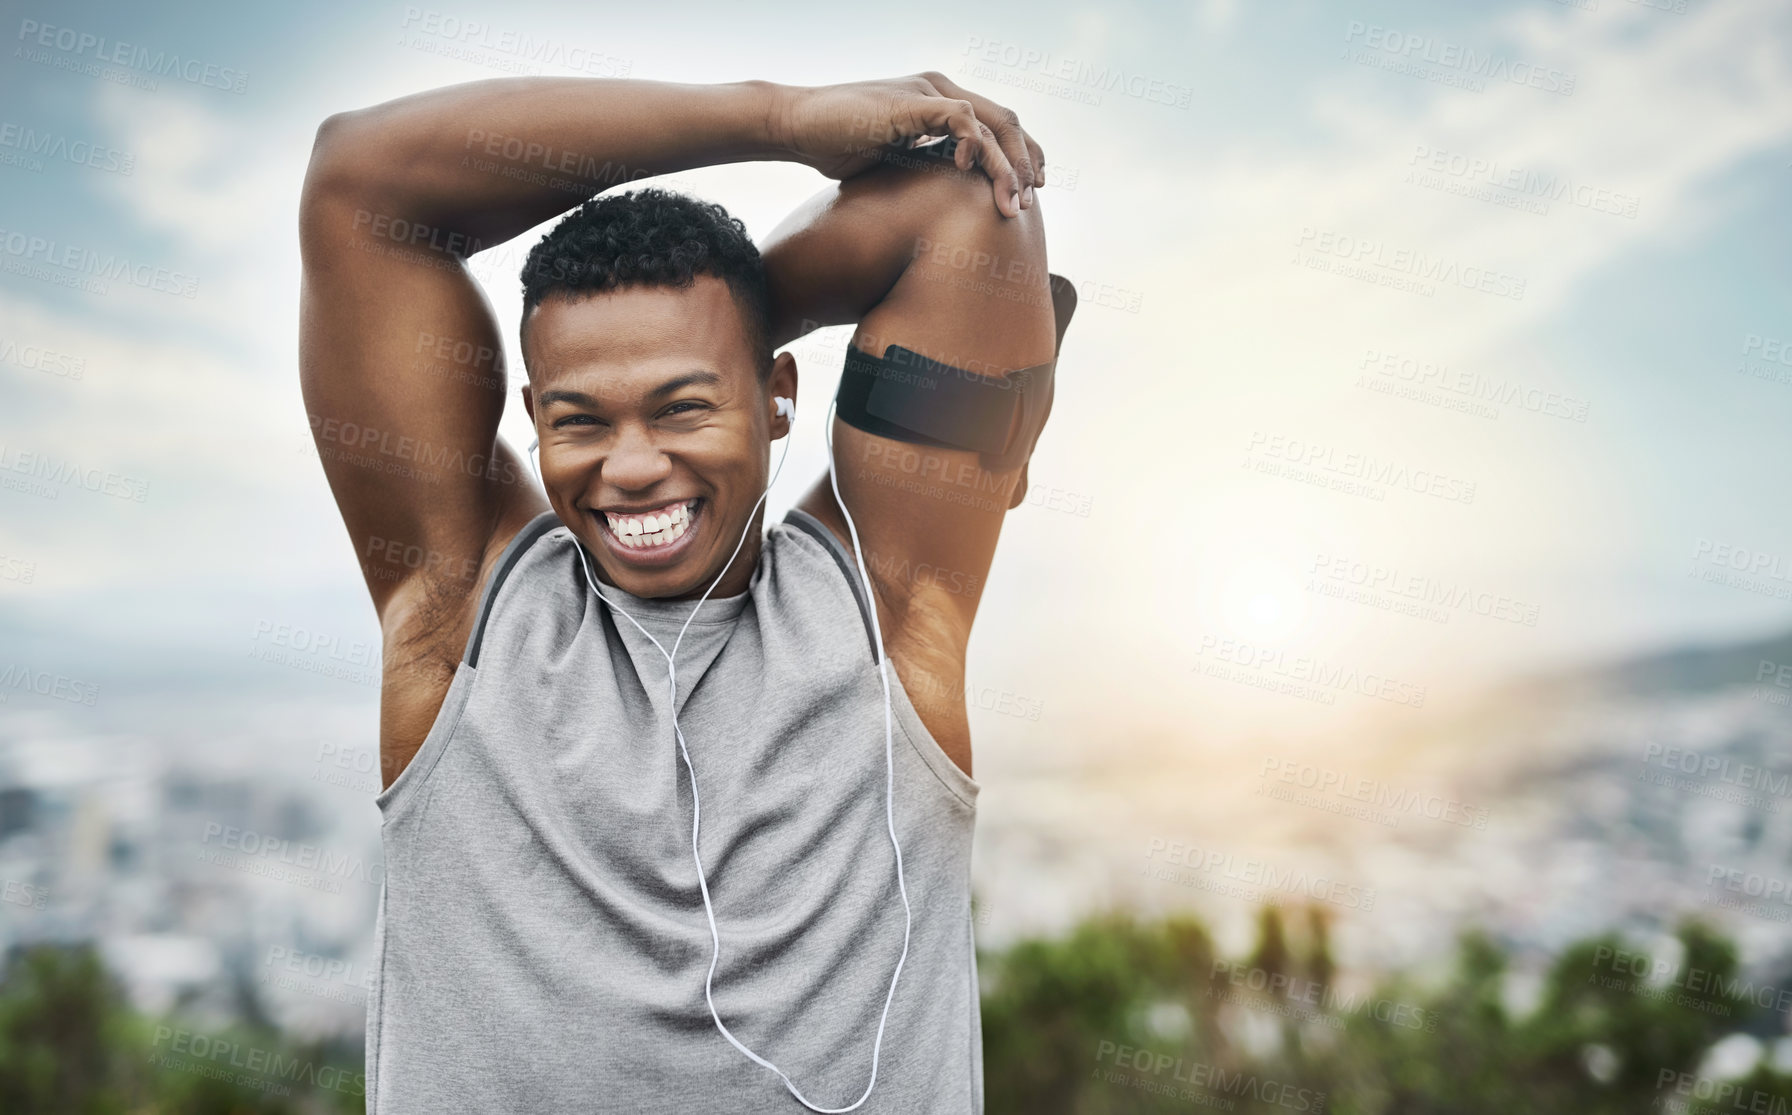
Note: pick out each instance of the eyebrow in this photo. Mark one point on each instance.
(671, 386)
(679, 383)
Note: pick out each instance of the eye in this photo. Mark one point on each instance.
(674, 408)
(574, 420)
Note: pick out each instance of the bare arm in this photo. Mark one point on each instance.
(399, 351)
(912, 257)
(395, 198)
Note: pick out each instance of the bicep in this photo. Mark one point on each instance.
(958, 284)
(403, 378)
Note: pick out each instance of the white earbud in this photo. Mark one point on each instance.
(786, 407)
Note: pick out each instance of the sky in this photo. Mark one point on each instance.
(1485, 305)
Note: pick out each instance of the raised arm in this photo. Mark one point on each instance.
(399, 194)
(910, 253)
(399, 353)
(400, 358)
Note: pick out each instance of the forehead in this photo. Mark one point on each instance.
(636, 336)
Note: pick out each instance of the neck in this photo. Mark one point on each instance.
(740, 570)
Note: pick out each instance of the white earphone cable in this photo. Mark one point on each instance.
(785, 407)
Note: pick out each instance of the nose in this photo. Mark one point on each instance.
(634, 462)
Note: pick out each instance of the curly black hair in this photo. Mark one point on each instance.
(652, 237)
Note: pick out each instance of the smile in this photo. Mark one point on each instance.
(654, 532)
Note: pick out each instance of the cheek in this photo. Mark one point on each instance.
(569, 471)
(727, 465)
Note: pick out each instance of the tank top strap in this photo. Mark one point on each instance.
(531, 532)
(818, 530)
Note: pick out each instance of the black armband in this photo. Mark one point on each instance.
(905, 396)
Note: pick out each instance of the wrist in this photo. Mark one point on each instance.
(772, 103)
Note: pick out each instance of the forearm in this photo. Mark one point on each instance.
(489, 160)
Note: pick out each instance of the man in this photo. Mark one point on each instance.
(544, 939)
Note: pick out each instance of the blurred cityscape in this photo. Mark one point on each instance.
(232, 886)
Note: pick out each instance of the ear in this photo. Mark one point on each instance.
(528, 394)
(782, 381)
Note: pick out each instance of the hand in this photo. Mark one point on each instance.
(842, 130)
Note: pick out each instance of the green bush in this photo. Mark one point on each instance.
(71, 1045)
(1121, 1015)
(1124, 1016)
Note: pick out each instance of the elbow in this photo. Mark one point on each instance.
(960, 210)
(338, 181)
(334, 161)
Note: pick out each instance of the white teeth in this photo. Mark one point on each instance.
(650, 531)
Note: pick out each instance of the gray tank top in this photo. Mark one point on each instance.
(541, 944)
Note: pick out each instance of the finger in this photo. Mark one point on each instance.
(1017, 146)
(1003, 180)
(1014, 148)
(977, 145)
(927, 115)
(1038, 154)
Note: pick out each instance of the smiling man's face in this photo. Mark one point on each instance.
(655, 431)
